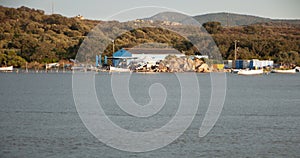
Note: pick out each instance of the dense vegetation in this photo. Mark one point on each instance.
(150, 35)
(34, 36)
(280, 42)
(28, 35)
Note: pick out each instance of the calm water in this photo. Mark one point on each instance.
(260, 118)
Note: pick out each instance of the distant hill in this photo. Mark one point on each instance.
(30, 35)
(226, 19)
(173, 17)
(231, 19)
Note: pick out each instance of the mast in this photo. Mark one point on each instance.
(26, 67)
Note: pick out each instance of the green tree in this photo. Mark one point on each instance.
(213, 27)
(291, 57)
(10, 58)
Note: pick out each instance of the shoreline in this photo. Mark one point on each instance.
(31, 71)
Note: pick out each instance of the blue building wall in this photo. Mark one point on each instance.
(120, 53)
(97, 61)
(239, 64)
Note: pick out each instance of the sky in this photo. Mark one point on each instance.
(134, 9)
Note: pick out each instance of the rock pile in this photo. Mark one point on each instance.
(180, 64)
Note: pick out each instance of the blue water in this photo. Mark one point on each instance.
(260, 117)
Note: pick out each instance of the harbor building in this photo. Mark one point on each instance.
(151, 55)
(251, 64)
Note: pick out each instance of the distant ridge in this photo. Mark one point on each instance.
(226, 19)
(232, 19)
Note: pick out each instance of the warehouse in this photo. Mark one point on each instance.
(153, 54)
(251, 64)
(255, 63)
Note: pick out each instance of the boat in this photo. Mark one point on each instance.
(9, 68)
(251, 72)
(52, 65)
(118, 69)
(78, 68)
(289, 71)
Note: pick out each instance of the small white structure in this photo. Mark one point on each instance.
(52, 65)
(252, 64)
(255, 63)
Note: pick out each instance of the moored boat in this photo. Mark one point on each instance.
(289, 71)
(251, 72)
(9, 68)
(118, 69)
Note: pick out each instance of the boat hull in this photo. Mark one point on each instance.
(116, 69)
(291, 71)
(10, 68)
(251, 72)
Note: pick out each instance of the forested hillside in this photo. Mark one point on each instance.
(34, 36)
(277, 41)
(29, 35)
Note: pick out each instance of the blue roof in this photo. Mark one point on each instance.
(122, 53)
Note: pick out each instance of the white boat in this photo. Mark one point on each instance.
(52, 65)
(290, 71)
(118, 69)
(78, 68)
(9, 68)
(251, 72)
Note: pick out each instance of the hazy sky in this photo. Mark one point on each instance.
(102, 10)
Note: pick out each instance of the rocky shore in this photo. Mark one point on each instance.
(177, 64)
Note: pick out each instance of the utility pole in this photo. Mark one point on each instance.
(26, 67)
(113, 48)
(235, 51)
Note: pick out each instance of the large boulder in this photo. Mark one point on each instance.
(162, 67)
(203, 68)
(197, 63)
